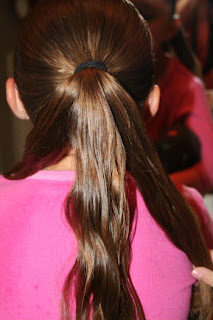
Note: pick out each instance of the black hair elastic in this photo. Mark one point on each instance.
(91, 64)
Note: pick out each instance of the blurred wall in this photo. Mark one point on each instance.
(12, 131)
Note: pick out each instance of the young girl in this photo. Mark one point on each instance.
(183, 99)
(127, 245)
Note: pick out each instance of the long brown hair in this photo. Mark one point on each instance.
(97, 114)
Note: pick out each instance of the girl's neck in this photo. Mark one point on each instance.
(68, 163)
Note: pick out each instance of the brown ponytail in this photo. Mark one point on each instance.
(101, 218)
(97, 114)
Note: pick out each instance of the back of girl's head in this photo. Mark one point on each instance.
(55, 39)
(58, 36)
(182, 47)
(173, 5)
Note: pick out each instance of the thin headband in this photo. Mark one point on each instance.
(90, 64)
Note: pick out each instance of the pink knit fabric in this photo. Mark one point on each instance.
(183, 99)
(38, 248)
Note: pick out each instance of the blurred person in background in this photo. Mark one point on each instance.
(197, 18)
(182, 128)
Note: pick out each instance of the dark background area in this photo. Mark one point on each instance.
(12, 130)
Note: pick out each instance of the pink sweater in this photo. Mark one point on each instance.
(183, 99)
(38, 248)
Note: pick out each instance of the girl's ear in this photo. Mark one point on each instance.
(14, 101)
(151, 105)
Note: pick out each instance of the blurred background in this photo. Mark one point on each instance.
(12, 131)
